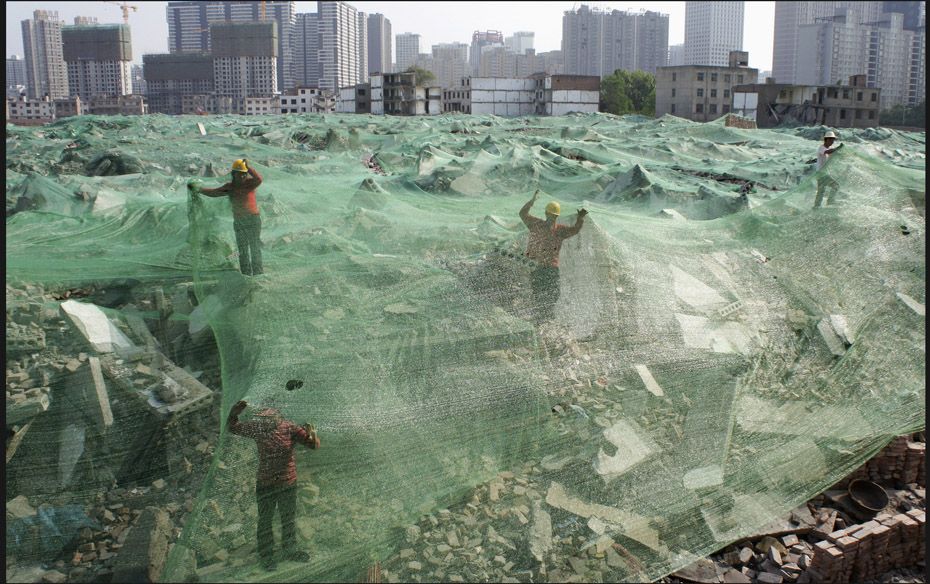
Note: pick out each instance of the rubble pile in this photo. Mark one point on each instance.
(144, 429)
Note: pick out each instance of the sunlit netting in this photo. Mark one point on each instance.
(715, 361)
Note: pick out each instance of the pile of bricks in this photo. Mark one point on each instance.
(865, 551)
(902, 460)
(735, 121)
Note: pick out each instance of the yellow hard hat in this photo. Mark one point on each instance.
(553, 208)
(239, 166)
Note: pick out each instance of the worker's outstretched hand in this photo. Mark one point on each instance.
(535, 195)
(582, 212)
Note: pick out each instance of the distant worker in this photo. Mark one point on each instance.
(247, 223)
(826, 182)
(276, 481)
(543, 247)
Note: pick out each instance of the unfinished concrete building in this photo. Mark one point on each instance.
(838, 106)
(169, 77)
(245, 60)
(539, 94)
(398, 94)
(99, 59)
(701, 93)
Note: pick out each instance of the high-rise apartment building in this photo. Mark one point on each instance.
(139, 86)
(915, 12)
(712, 30)
(245, 57)
(481, 39)
(838, 47)
(171, 77)
(362, 47)
(99, 60)
(46, 73)
(596, 42)
(380, 56)
(85, 20)
(790, 16)
(15, 75)
(189, 27)
(408, 47)
(520, 42)
(449, 63)
(306, 47)
(676, 55)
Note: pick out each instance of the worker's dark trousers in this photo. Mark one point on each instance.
(545, 282)
(284, 497)
(248, 237)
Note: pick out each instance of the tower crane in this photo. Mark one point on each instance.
(126, 6)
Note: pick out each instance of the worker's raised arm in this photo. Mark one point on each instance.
(237, 427)
(574, 229)
(307, 436)
(525, 211)
(217, 192)
(256, 180)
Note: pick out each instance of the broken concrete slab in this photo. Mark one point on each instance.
(801, 418)
(25, 408)
(19, 508)
(540, 532)
(701, 333)
(96, 327)
(649, 381)
(704, 477)
(624, 522)
(914, 305)
(102, 412)
(633, 446)
(694, 292)
(145, 550)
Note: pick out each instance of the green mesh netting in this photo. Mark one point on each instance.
(715, 360)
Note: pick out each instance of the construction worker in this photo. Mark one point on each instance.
(825, 181)
(543, 247)
(276, 480)
(247, 223)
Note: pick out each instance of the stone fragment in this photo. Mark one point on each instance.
(159, 484)
(736, 577)
(745, 555)
(415, 566)
(768, 578)
(19, 508)
(774, 555)
(789, 540)
(54, 577)
(540, 532)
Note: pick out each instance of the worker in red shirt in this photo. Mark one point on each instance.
(276, 481)
(247, 223)
(543, 247)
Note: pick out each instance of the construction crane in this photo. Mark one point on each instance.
(126, 7)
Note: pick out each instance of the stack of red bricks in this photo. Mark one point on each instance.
(861, 552)
(902, 460)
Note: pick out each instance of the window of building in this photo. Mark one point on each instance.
(739, 78)
(845, 94)
(858, 96)
(673, 108)
(713, 93)
(727, 77)
(858, 114)
(700, 92)
(674, 76)
(699, 108)
(713, 78)
(726, 108)
(871, 114)
(726, 93)
(842, 114)
(873, 97)
(700, 76)
(713, 108)
(673, 92)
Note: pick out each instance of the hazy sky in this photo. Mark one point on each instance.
(436, 22)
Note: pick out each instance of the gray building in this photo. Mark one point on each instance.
(380, 55)
(408, 48)
(701, 93)
(837, 106)
(712, 30)
(520, 42)
(15, 75)
(790, 16)
(189, 27)
(596, 42)
(362, 47)
(449, 63)
(139, 85)
(840, 46)
(306, 47)
(172, 76)
(479, 40)
(676, 55)
(245, 60)
(46, 72)
(99, 60)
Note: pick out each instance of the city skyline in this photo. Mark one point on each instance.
(431, 21)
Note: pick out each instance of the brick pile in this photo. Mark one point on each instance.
(902, 461)
(865, 551)
(735, 121)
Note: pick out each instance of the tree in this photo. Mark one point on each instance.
(423, 76)
(901, 115)
(629, 92)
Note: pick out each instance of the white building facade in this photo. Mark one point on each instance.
(408, 48)
(46, 72)
(712, 30)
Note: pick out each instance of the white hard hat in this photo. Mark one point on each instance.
(829, 134)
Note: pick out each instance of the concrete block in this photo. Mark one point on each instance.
(102, 411)
(142, 557)
(96, 327)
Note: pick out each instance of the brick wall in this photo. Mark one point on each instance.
(734, 121)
